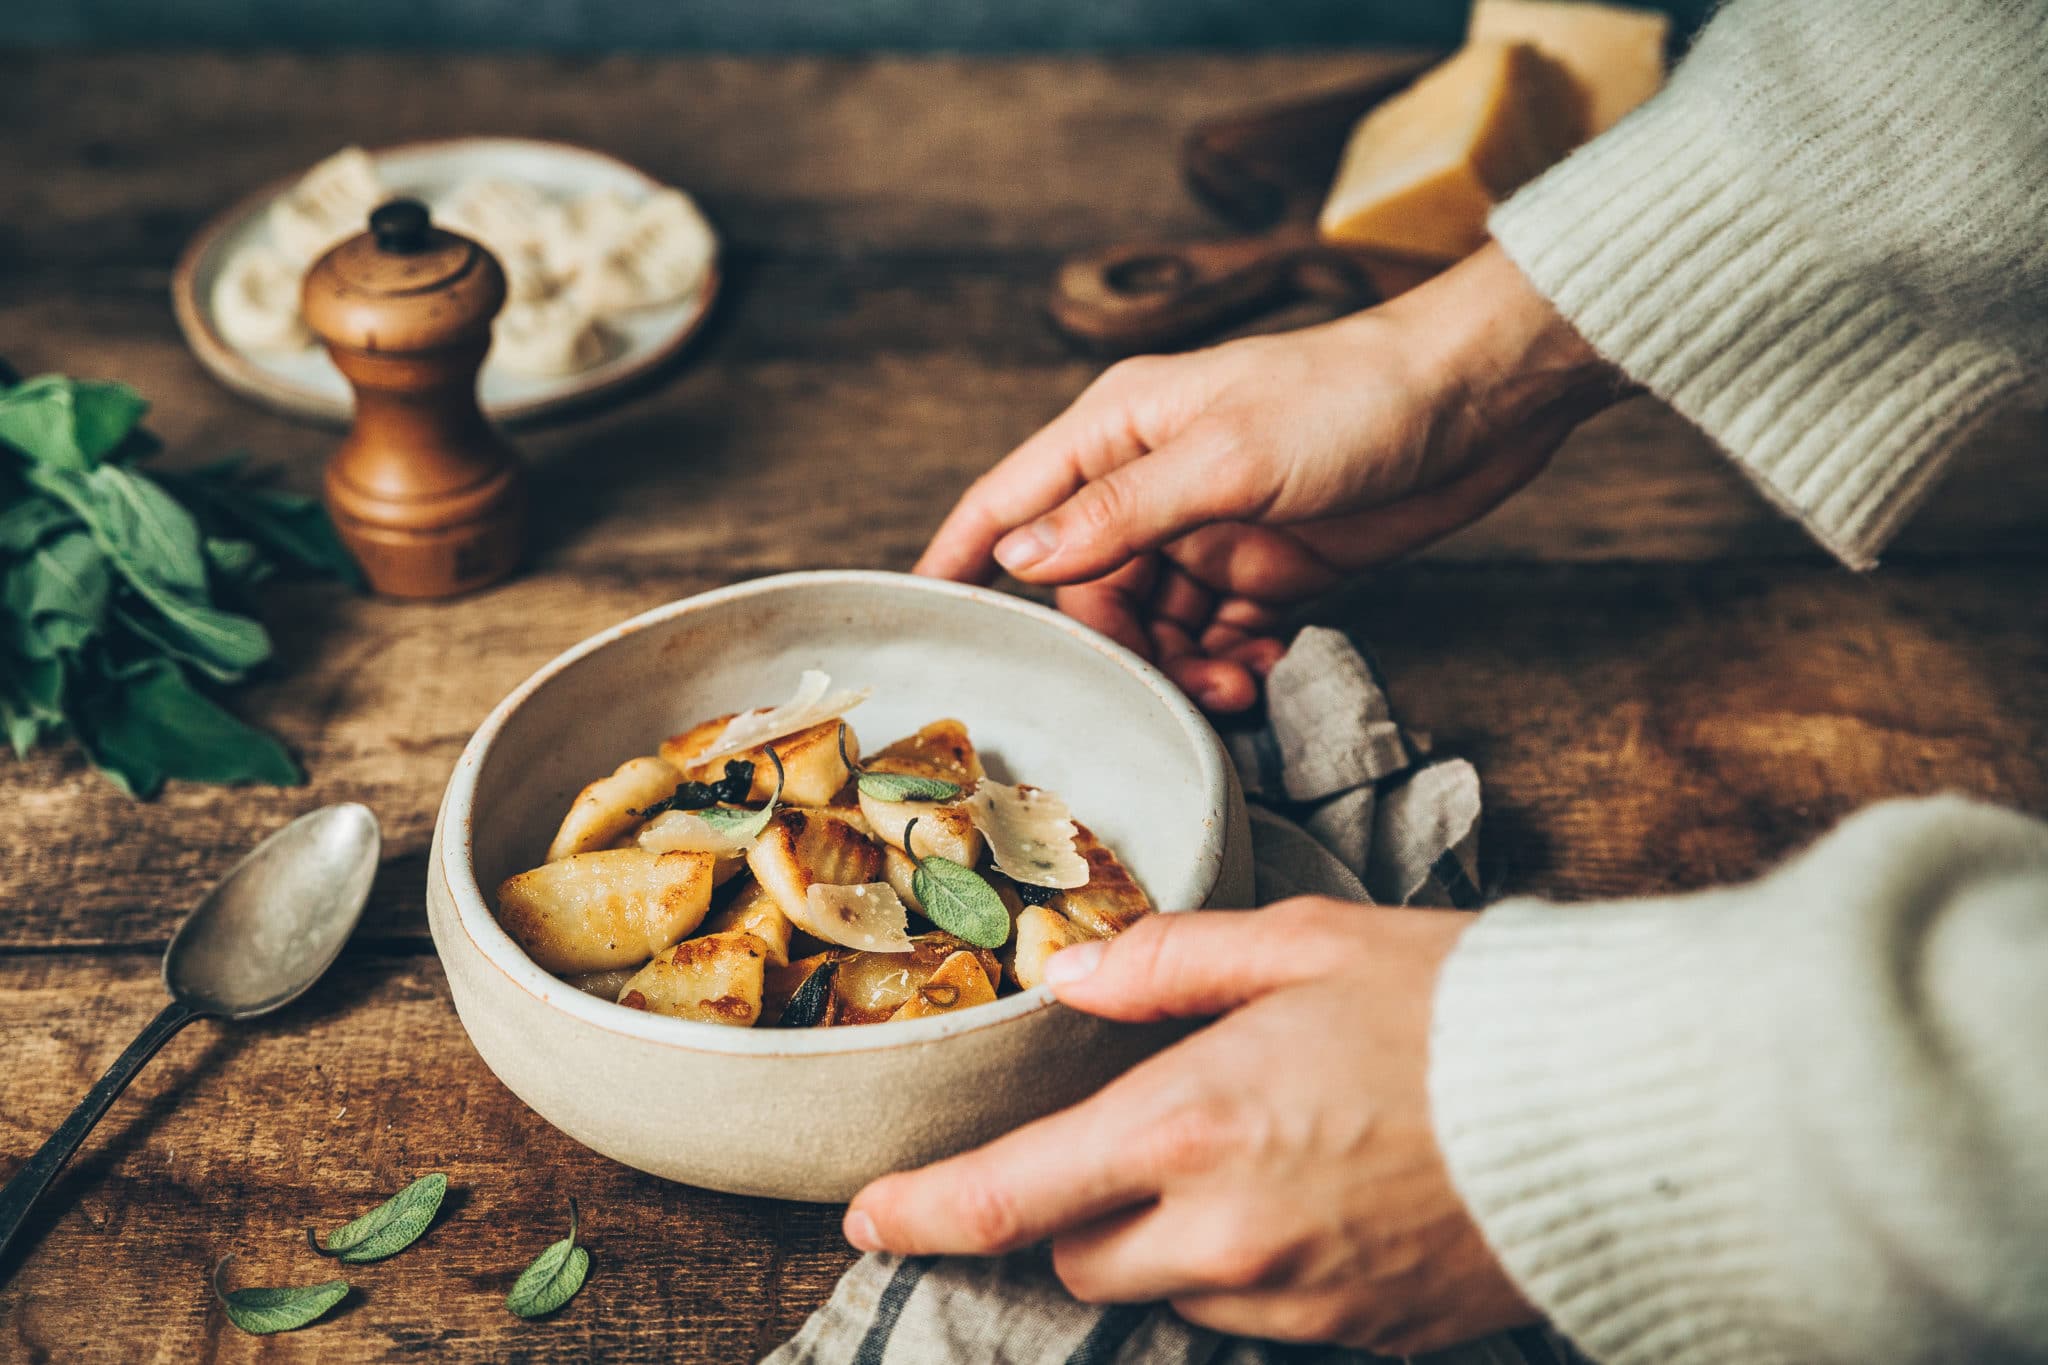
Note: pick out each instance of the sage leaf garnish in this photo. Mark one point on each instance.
(895, 786)
(740, 825)
(957, 898)
(389, 1228)
(806, 1009)
(904, 787)
(553, 1278)
(263, 1311)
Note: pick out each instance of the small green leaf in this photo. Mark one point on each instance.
(740, 824)
(68, 423)
(904, 787)
(389, 1228)
(958, 899)
(553, 1278)
(263, 1311)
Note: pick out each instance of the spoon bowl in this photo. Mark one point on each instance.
(278, 920)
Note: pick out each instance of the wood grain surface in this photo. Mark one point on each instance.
(1664, 686)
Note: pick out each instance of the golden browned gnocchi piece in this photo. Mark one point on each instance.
(1112, 901)
(607, 809)
(800, 847)
(591, 912)
(1040, 932)
(958, 983)
(813, 771)
(752, 910)
(715, 979)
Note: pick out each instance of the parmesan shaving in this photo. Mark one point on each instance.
(685, 831)
(871, 917)
(1030, 834)
(810, 706)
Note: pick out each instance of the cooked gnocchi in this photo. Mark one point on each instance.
(758, 869)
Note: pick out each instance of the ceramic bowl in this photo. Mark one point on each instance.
(815, 1114)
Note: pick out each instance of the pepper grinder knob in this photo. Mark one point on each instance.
(425, 493)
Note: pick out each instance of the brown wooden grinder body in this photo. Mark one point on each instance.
(425, 493)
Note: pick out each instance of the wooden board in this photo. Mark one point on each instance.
(1662, 683)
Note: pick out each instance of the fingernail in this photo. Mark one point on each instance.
(1025, 546)
(861, 1231)
(1069, 965)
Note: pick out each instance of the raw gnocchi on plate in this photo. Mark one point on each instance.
(760, 869)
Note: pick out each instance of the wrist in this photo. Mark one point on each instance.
(1501, 350)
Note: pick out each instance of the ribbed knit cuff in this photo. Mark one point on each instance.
(1667, 249)
(1579, 1092)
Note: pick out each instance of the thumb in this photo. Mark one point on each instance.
(1133, 508)
(1197, 964)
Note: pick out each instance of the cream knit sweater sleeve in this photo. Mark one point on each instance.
(1792, 1123)
(1826, 243)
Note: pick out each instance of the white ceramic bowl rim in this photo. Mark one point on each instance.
(502, 952)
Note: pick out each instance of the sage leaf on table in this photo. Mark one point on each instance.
(263, 1311)
(957, 898)
(895, 786)
(122, 593)
(553, 1278)
(389, 1228)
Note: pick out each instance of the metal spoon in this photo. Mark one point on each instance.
(264, 935)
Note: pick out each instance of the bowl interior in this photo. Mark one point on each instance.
(1046, 701)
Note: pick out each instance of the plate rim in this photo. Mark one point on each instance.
(239, 374)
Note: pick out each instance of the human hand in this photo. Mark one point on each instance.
(1183, 501)
(1274, 1174)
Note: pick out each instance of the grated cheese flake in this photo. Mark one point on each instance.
(871, 917)
(1030, 834)
(810, 706)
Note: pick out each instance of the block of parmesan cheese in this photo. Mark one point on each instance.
(1615, 54)
(1422, 169)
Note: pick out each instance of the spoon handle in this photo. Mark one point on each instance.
(34, 1177)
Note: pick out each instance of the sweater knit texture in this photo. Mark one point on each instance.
(1822, 243)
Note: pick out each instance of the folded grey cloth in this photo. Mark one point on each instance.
(1341, 805)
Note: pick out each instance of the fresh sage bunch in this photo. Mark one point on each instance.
(263, 1311)
(121, 592)
(895, 786)
(957, 898)
(553, 1278)
(389, 1228)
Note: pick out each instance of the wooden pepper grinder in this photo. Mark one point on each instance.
(425, 493)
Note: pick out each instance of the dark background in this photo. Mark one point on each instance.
(750, 25)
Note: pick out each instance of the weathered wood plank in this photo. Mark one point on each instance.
(908, 378)
(238, 1137)
(818, 154)
(1639, 728)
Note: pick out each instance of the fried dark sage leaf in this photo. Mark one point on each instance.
(389, 1228)
(263, 1311)
(553, 1278)
(807, 1008)
(731, 789)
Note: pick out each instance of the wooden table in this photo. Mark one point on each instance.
(1663, 685)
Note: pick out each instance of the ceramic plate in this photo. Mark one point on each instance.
(306, 384)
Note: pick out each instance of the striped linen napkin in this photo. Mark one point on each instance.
(1344, 803)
